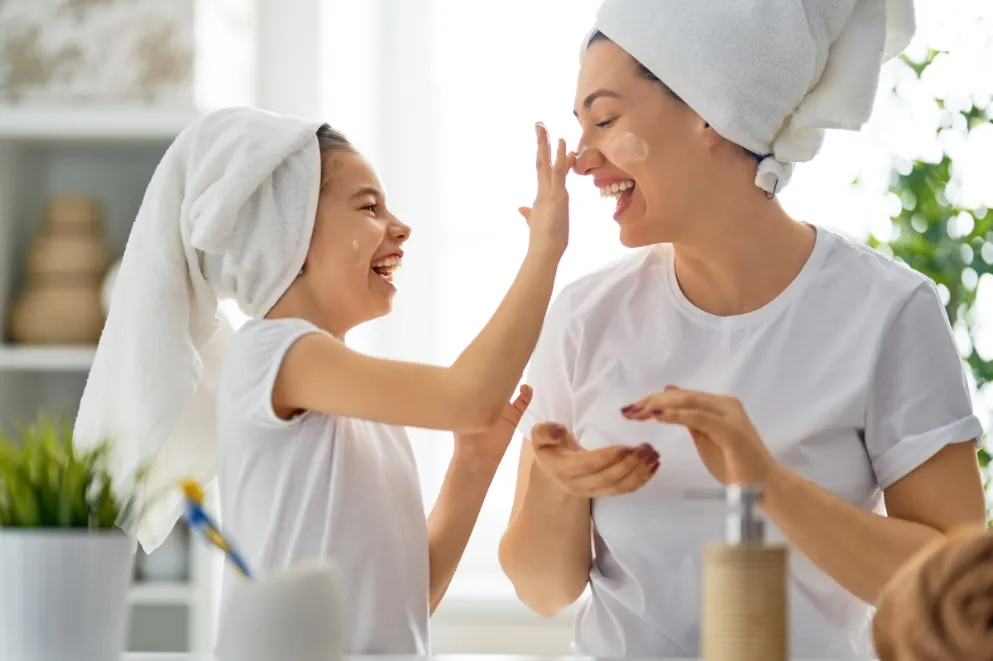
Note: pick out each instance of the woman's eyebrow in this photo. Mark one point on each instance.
(593, 96)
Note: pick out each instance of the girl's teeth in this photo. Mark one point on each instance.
(384, 268)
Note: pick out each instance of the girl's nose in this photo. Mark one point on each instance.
(399, 231)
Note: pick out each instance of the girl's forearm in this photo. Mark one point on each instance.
(453, 517)
(503, 347)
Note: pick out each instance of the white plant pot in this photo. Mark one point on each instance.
(63, 594)
(297, 614)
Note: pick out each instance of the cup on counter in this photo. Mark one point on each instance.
(297, 614)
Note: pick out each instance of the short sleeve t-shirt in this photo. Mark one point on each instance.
(851, 376)
(323, 488)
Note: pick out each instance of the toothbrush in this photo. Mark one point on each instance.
(198, 520)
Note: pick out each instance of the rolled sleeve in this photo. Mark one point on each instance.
(920, 399)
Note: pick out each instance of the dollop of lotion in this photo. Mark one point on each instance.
(626, 149)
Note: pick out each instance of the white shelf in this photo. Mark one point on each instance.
(45, 358)
(33, 123)
(162, 594)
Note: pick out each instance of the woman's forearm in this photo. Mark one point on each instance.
(504, 346)
(547, 549)
(453, 517)
(860, 550)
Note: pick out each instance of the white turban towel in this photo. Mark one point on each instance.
(768, 75)
(228, 214)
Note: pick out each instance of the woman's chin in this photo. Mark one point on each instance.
(635, 235)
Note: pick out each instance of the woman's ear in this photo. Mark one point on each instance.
(711, 137)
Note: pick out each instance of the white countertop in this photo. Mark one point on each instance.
(440, 657)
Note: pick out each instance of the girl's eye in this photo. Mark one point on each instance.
(370, 207)
(605, 124)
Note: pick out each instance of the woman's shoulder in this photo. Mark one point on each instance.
(598, 285)
(850, 264)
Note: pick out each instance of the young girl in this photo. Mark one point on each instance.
(287, 218)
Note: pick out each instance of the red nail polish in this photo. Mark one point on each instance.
(655, 467)
(555, 431)
(656, 411)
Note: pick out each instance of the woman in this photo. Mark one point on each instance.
(744, 346)
(287, 218)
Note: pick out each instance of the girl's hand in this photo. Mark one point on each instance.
(725, 438)
(488, 447)
(549, 217)
(591, 474)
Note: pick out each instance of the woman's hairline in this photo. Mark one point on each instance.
(646, 73)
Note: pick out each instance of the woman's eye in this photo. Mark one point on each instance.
(605, 124)
(370, 207)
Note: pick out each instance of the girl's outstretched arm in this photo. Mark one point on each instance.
(320, 373)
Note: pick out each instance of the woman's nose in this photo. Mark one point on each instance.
(587, 160)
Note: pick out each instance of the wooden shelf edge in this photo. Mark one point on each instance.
(91, 123)
(40, 358)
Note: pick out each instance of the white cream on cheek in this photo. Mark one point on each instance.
(625, 149)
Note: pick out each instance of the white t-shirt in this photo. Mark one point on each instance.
(321, 487)
(850, 375)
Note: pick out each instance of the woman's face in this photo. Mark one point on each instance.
(356, 245)
(640, 144)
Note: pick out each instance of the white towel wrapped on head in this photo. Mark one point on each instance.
(768, 75)
(229, 213)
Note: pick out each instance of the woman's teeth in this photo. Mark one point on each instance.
(386, 266)
(616, 189)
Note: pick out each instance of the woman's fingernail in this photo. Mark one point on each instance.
(646, 453)
(555, 431)
(655, 467)
(656, 411)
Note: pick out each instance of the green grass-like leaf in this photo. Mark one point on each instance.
(47, 482)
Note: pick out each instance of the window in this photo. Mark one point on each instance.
(500, 68)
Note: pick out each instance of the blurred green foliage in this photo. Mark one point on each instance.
(950, 244)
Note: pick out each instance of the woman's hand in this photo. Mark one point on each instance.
(549, 217)
(725, 438)
(608, 471)
(488, 447)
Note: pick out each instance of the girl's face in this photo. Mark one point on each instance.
(641, 145)
(356, 245)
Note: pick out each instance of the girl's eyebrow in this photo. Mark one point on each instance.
(368, 190)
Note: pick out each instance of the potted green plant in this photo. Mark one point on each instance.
(65, 558)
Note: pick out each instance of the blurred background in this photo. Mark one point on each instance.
(441, 95)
